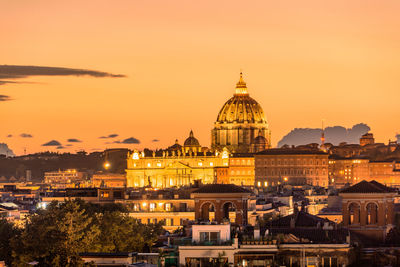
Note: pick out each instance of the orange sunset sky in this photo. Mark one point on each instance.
(303, 61)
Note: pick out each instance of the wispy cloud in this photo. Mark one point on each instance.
(74, 140)
(21, 71)
(52, 143)
(108, 136)
(130, 140)
(4, 98)
(10, 135)
(155, 140)
(25, 135)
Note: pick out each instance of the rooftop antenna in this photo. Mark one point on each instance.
(322, 134)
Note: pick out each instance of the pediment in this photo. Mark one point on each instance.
(177, 165)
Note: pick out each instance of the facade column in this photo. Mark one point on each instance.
(390, 212)
(381, 213)
(345, 212)
(363, 214)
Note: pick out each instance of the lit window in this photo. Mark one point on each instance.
(168, 206)
(211, 164)
(200, 163)
(265, 184)
(158, 164)
(152, 206)
(169, 222)
(259, 184)
(149, 164)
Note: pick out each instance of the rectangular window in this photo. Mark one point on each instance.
(168, 206)
(152, 206)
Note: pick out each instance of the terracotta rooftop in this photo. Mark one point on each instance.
(300, 219)
(291, 151)
(221, 188)
(365, 187)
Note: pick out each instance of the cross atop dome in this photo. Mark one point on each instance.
(241, 88)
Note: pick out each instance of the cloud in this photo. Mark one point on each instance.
(60, 147)
(334, 135)
(10, 135)
(68, 145)
(5, 150)
(74, 140)
(20, 71)
(108, 136)
(25, 135)
(52, 143)
(130, 140)
(155, 140)
(4, 98)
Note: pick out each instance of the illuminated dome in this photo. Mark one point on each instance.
(191, 140)
(240, 121)
(241, 107)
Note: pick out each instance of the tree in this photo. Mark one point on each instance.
(119, 232)
(56, 236)
(7, 232)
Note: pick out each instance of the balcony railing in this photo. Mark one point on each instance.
(204, 243)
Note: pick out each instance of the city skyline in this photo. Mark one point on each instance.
(156, 72)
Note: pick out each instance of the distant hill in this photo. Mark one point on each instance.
(398, 138)
(5, 150)
(334, 135)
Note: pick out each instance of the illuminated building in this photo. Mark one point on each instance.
(367, 139)
(291, 166)
(108, 180)
(175, 211)
(241, 170)
(347, 171)
(177, 166)
(239, 123)
(385, 172)
(368, 209)
(64, 179)
(344, 171)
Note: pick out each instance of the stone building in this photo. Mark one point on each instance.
(344, 171)
(367, 139)
(368, 209)
(225, 201)
(241, 170)
(176, 166)
(348, 171)
(108, 180)
(65, 179)
(291, 166)
(241, 125)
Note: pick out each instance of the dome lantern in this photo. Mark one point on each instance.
(241, 88)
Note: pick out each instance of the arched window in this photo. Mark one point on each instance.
(372, 213)
(354, 213)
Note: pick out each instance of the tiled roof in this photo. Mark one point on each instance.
(364, 187)
(317, 236)
(301, 219)
(291, 151)
(221, 188)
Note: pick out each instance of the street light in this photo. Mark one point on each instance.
(107, 165)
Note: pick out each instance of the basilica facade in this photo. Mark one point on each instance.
(240, 131)
(241, 125)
